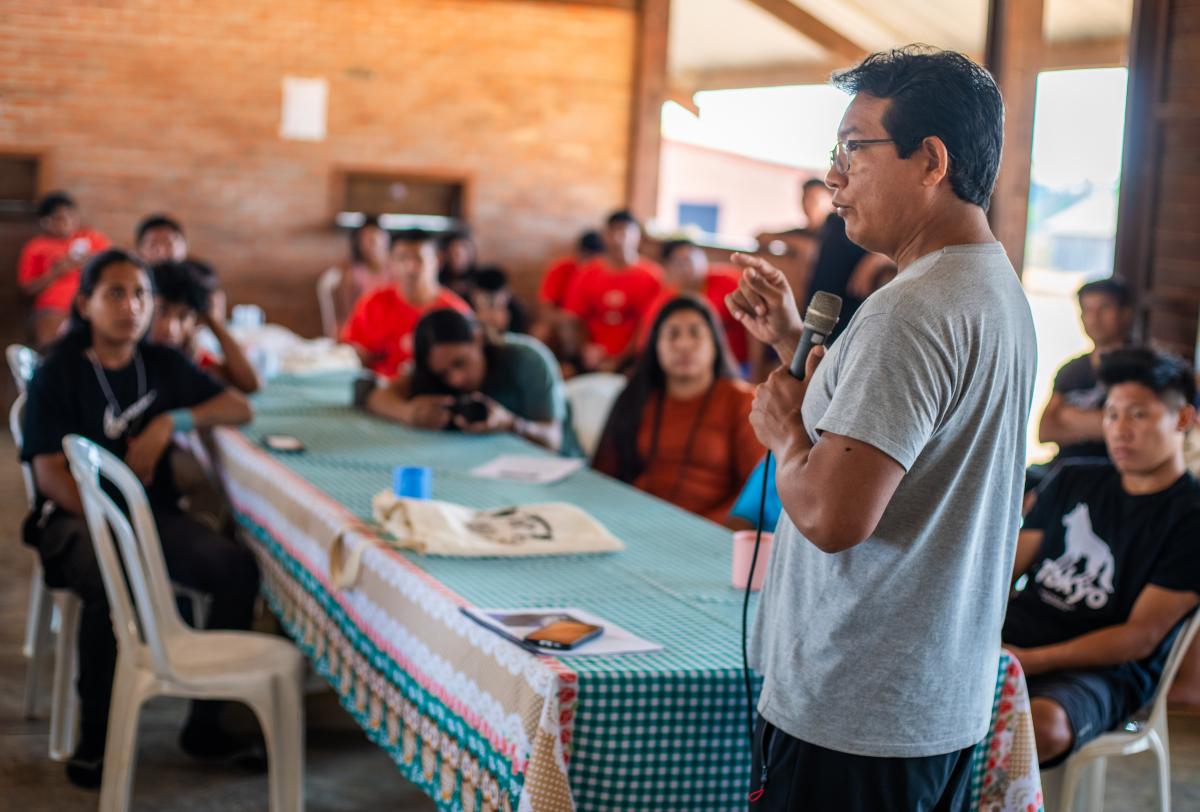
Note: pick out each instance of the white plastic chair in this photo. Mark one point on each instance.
(327, 285)
(39, 633)
(591, 397)
(1088, 765)
(157, 654)
(22, 361)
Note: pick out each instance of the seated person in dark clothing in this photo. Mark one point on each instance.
(495, 305)
(1111, 555)
(457, 257)
(1073, 416)
(103, 381)
(513, 377)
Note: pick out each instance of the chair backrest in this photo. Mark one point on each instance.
(16, 423)
(591, 397)
(22, 361)
(1179, 650)
(327, 284)
(145, 619)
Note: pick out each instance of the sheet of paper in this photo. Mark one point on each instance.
(514, 624)
(302, 117)
(535, 470)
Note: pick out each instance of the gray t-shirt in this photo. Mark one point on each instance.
(890, 648)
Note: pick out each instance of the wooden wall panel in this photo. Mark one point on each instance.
(1158, 232)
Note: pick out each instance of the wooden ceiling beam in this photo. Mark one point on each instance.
(769, 75)
(813, 28)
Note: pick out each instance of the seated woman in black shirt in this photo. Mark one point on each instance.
(1112, 561)
(104, 382)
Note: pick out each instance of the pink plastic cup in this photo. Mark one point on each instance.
(743, 553)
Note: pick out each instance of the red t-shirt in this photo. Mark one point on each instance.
(557, 281)
(383, 322)
(721, 281)
(613, 303)
(43, 251)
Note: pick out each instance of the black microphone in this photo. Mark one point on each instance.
(819, 321)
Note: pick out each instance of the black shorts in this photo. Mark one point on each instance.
(804, 777)
(1096, 700)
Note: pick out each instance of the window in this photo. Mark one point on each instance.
(403, 200)
(703, 216)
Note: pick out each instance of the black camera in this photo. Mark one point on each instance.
(470, 408)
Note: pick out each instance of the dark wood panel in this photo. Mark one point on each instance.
(1158, 230)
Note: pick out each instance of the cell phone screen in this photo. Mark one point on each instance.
(564, 634)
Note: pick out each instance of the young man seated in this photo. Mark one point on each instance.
(381, 326)
(48, 269)
(183, 302)
(1073, 416)
(611, 296)
(496, 306)
(103, 381)
(510, 381)
(1111, 556)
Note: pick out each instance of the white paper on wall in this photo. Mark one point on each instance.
(302, 114)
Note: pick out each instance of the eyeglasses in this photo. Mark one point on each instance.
(839, 156)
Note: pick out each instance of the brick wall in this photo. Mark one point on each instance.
(174, 105)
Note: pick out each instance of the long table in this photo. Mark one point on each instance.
(474, 720)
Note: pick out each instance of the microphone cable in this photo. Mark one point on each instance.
(762, 509)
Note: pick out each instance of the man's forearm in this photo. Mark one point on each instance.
(547, 434)
(1114, 645)
(386, 402)
(1070, 424)
(229, 408)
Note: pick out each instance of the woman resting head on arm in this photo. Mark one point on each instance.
(680, 429)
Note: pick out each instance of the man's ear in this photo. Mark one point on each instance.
(935, 160)
(1187, 418)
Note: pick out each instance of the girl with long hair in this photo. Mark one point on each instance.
(102, 380)
(680, 429)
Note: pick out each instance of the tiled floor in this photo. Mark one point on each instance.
(344, 771)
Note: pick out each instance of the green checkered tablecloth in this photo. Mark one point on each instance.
(664, 730)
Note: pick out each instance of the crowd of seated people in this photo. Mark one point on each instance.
(453, 348)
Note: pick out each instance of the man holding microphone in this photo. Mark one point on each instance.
(900, 461)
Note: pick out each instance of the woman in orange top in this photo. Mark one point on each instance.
(680, 430)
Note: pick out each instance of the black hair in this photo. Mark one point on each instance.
(1117, 290)
(490, 279)
(454, 236)
(356, 252)
(1164, 374)
(52, 202)
(417, 235)
(78, 336)
(650, 381)
(621, 217)
(671, 246)
(186, 283)
(813, 183)
(157, 221)
(943, 94)
(443, 326)
(591, 243)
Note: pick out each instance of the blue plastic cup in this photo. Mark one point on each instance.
(413, 481)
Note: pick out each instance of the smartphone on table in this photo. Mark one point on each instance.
(563, 634)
